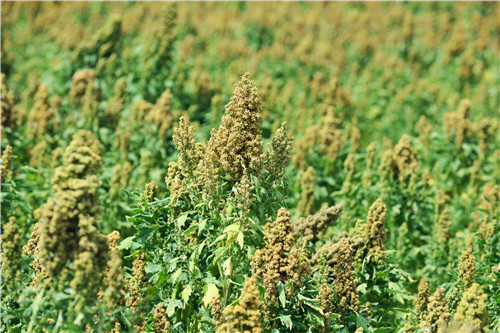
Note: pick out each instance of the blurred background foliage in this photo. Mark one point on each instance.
(397, 101)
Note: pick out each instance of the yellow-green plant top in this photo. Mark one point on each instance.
(374, 232)
(330, 135)
(236, 146)
(424, 129)
(81, 79)
(114, 278)
(11, 255)
(161, 323)
(279, 261)
(302, 147)
(308, 229)
(404, 158)
(306, 204)
(472, 309)
(138, 280)
(355, 139)
(216, 310)
(40, 115)
(325, 300)
(350, 169)
(67, 225)
(485, 129)
(149, 192)
(279, 152)
(244, 317)
(103, 42)
(422, 298)
(8, 108)
(339, 258)
(190, 152)
(467, 268)
(6, 167)
(458, 123)
(116, 103)
(442, 227)
(161, 114)
(90, 103)
(366, 180)
(437, 315)
(490, 198)
(345, 286)
(244, 197)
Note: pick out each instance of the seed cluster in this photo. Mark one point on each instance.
(279, 261)
(339, 256)
(11, 255)
(437, 312)
(307, 230)
(6, 167)
(244, 317)
(236, 146)
(472, 309)
(306, 204)
(374, 233)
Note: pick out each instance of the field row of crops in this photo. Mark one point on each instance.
(250, 167)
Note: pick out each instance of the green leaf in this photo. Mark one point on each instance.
(241, 239)
(227, 267)
(176, 275)
(286, 321)
(153, 268)
(181, 221)
(186, 293)
(361, 322)
(172, 305)
(128, 243)
(282, 297)
(203, 225)
(211, 292)
(232, 232)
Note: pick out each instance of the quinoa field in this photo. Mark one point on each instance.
(253, 167)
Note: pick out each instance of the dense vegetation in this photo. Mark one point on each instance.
(349, 183)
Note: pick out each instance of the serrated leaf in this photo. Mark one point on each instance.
(172, 305)
(186, 293)
(286, 321)
(211, 292)
(176, 275)
(241, 239)
(203, 225)
(232, 232)
(227, 267)
(282, 297)
(181, 221)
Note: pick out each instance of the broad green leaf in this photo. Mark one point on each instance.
(186, 293)
(176, 275)
(128, 243)
(241, 239)
(227, 267)
(286, 321)
(211, 292)
(172, 305)
(282, 297)
(202, 226)
(181, 220)
(232, 232)
(153, 268)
